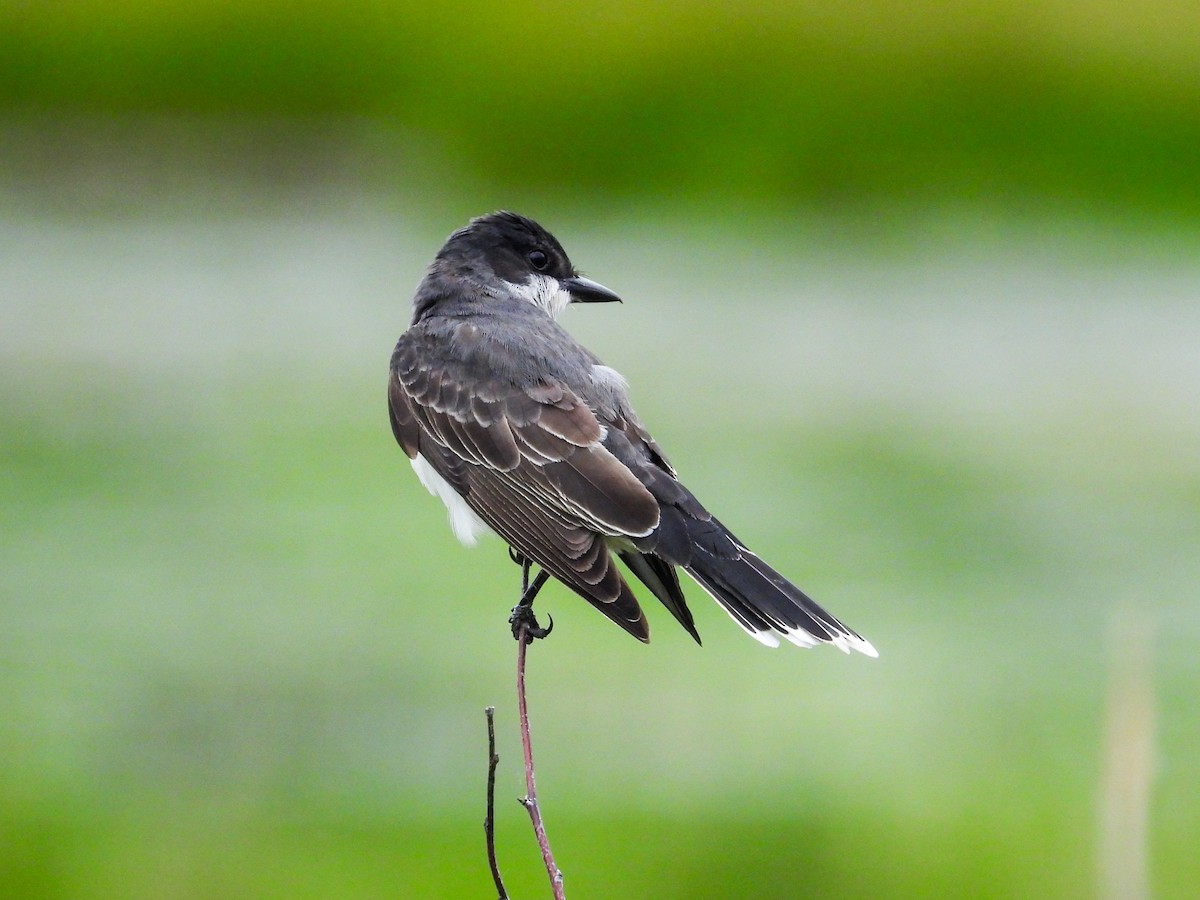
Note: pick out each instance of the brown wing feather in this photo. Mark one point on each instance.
(529, 461)
(404, 423)
(575, 556)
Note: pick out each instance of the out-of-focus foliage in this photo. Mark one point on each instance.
(241, 654)
(1082, 105)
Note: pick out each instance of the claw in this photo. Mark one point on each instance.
(522, 614)
(523, 617)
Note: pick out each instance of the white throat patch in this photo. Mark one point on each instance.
(543, 291)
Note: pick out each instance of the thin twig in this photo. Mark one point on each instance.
(489, 826)
(529, 801)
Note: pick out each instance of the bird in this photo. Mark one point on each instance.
(523, 432)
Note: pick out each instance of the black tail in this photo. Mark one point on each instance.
(766, 604)
(762, 601)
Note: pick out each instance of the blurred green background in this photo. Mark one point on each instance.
(951, 254)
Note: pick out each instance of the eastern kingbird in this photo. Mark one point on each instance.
(522, 431)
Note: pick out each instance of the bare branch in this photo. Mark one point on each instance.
(525, 629)
(529, 801)
(489, 824)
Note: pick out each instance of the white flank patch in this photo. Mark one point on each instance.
(466, 525)
(543, 291)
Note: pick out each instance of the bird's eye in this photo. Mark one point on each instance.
(538, 260)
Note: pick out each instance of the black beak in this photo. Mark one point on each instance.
(584, 290)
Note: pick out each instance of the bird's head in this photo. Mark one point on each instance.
(526, 259)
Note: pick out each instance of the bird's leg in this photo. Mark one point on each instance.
(522, 613)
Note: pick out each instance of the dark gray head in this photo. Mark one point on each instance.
(503, 254)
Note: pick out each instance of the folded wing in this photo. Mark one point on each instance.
(528, 459)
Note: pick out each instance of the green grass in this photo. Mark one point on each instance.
(243, 656)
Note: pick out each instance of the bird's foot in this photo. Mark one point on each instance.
(523, 617)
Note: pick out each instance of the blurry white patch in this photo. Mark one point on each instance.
(607, 375)
(544, 292)
(466, 525)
